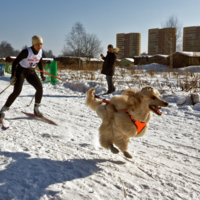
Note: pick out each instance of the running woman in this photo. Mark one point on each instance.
(24, 68)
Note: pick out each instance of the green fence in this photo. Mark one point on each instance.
(53, 69)
(49, 68)
(8, 69)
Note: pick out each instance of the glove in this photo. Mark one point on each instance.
(102, 56)
(43, 78)
(13, 80)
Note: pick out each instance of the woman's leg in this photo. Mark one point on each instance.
(111, 87)
(16, 91)
(34, 80)
(108, 82)
(36, 83)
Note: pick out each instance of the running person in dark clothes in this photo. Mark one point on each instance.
(109, 66)
(24, 68)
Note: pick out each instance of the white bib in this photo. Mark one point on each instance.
(32, 59)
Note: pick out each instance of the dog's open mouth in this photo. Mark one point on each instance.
(156, 109)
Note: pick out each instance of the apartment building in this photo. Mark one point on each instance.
(129, 44)
(161, 41)
(191, 38)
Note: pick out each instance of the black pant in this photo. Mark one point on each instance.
(111, 87)
(32, 78)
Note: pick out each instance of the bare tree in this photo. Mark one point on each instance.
(67, 52)
(91, 46)
(75, 38)
(16, 52)
(48, 54)
(173, 22)
(143, 54)
(6, 50)
(24, 47)
(79, 43)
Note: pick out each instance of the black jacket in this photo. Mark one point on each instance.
(24, 54)
(109, 62)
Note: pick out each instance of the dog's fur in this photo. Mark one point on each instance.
(117, 127)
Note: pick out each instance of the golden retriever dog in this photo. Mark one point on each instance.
(117, 127)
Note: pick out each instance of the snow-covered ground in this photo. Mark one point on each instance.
(65, 162)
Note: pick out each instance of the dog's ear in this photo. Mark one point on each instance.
(148, 88)
(134, 97)
(130, 93)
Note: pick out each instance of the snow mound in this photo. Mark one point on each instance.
(197, 107)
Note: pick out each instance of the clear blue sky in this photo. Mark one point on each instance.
(53, 19)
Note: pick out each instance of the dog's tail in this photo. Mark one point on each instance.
(91, 100)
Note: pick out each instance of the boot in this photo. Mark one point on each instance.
(113, 90)
(3, 111)
(37, 111)
(108, 92)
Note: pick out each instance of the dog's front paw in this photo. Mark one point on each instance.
(127, 154)
(113, 149)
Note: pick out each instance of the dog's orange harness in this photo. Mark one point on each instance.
(138, 124)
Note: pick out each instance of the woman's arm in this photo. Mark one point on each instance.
(102, 57)
(23, 54)
(40, 65)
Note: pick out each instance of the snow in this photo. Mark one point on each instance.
(42, 161)
(149, 67)
(95, 59)
(48, 59)
(197, 107)
(142, 56)
(12, 57)
(81, 58)
(189, 68)
(150, 56)
(187, 53)
(165, 56)
(129, 59)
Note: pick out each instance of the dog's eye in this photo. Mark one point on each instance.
(153, 97)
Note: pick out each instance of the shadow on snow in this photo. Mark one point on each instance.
(28, 178)
(54, 96)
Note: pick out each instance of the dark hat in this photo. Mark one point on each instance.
(110, 46)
